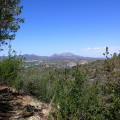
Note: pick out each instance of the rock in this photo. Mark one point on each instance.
(45, 112)
(34, 118)
(32, 106)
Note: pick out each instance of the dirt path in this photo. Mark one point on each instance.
(15, 106)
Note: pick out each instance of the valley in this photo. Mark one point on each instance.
(62, 60)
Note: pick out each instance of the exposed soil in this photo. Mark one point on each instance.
(13, 106)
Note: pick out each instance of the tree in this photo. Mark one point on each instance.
(9, 20)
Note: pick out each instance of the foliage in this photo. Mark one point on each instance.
(9, 67)
(82, 92)
(112, 85)
(75, 100)
(9, 20)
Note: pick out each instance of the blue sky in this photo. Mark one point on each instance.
(83, 27)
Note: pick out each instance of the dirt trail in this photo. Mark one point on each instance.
(14, 106)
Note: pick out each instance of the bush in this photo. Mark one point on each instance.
(9, 68)
(112, 68)
(76, 99)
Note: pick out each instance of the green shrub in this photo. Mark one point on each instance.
(112, 67)
(76, 99)
(9, 68)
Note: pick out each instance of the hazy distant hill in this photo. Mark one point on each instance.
(67, 55)
(33, 56)
(64, 55)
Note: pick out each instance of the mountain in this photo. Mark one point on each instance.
(33, 56)
(66, 55)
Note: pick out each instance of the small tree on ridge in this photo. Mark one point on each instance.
(9, 20)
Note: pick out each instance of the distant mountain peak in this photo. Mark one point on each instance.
(65, 55)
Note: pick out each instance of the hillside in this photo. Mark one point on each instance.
(16, 105)
(84, 91)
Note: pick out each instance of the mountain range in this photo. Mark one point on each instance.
(64, 55)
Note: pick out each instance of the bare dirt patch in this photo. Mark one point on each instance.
(15, 106)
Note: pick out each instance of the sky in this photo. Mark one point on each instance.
(82, 27)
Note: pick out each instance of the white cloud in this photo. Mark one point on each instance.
(89, 48)
(96, 48)
(98, 51)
